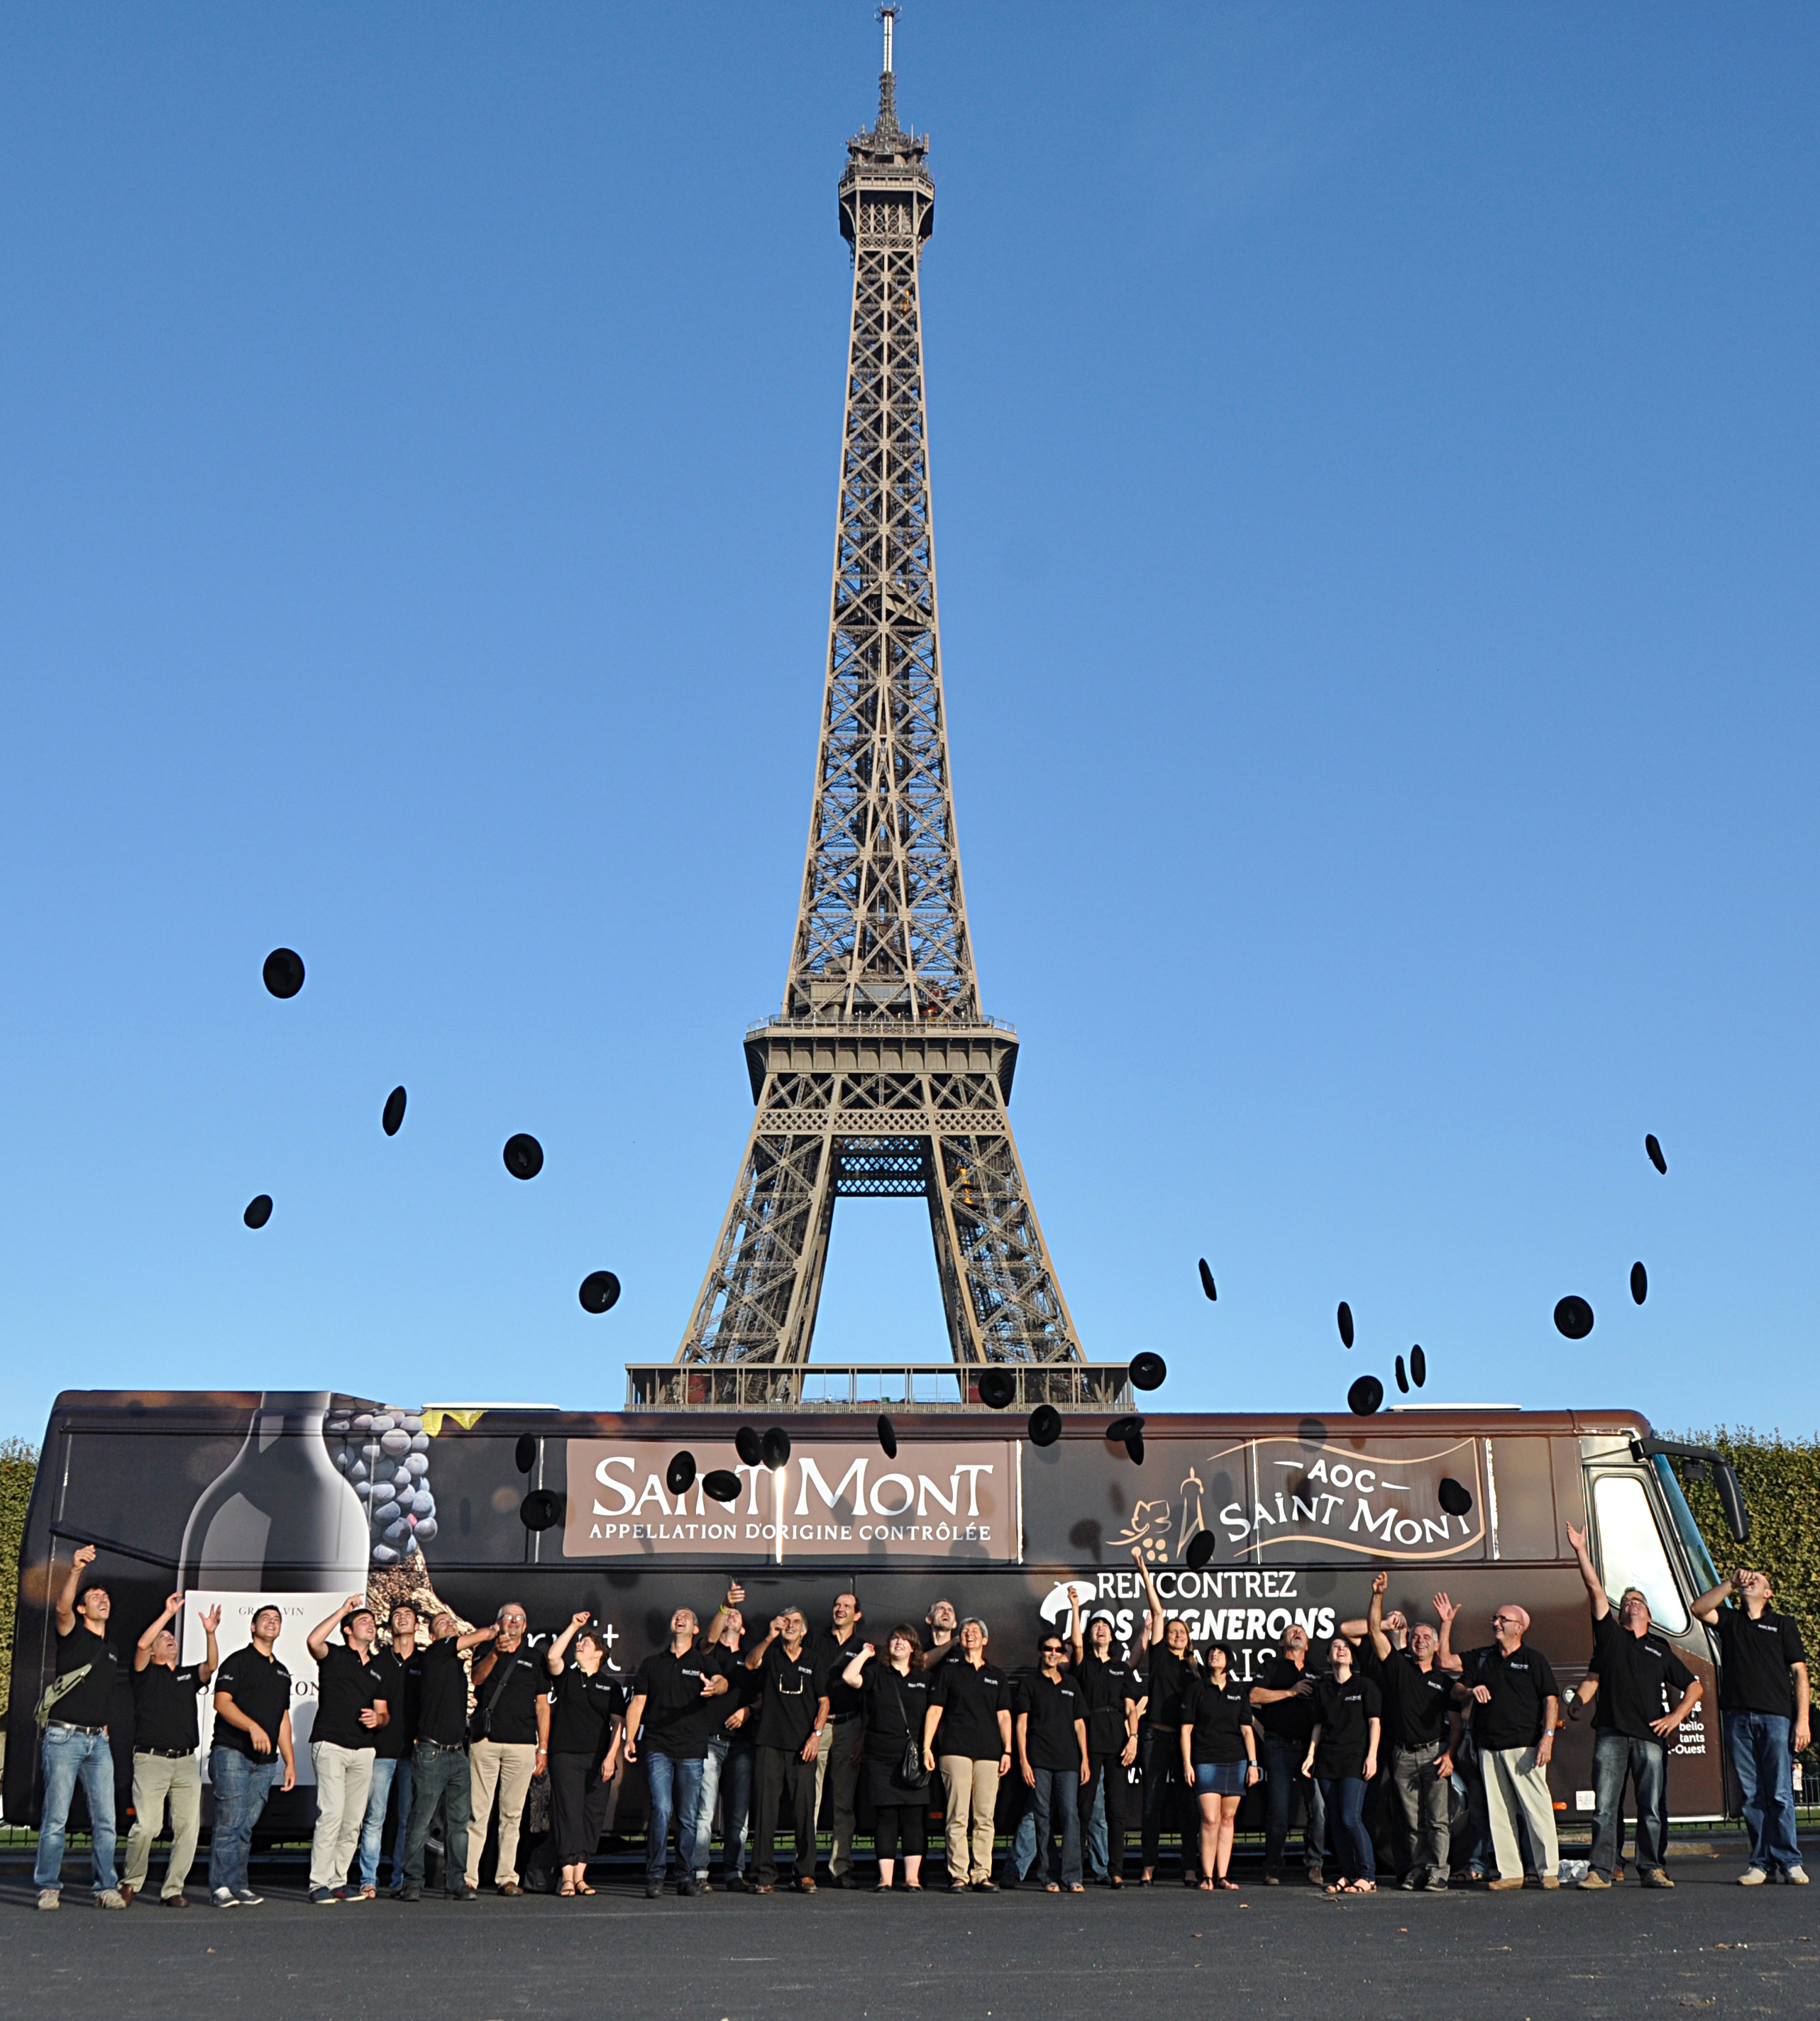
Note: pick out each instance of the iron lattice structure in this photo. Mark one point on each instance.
(881, 1075)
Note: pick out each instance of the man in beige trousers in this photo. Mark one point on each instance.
(351, 1708)
(512, 1730)
(1516, 1705)
(165, 1741)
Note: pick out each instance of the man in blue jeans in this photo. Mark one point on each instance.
(673, 1712)
(1283, 1697)
(726, 1768)
(252, 1738)
(402, 1669)
(1631, 1675)
(76, 1747)
(1763, 1681)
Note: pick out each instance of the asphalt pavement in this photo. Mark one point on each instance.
(1709, 1945)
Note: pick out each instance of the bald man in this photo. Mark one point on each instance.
(1516, 1705)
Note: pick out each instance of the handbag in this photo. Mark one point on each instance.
(910, 1772)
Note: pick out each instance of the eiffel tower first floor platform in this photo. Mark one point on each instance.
(884, 1107)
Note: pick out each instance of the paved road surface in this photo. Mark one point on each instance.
(1710, 1947)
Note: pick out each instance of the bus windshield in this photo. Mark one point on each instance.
(1705, 1573)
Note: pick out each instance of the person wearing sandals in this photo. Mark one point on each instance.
(1170, 1664)
(1342, 1756)
(1219, 1758)
(894, 1697)
(587, 1708)
(1052, 1752)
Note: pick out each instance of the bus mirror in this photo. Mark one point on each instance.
(1732, 1501)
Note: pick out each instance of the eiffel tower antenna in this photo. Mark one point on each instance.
(881, 1075)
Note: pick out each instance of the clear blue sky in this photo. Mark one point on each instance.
(1375, 456)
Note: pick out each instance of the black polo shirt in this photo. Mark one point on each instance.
(1050, 1709)
(1167, 1685)
(1216, 1716)
(345, 1687)
(1754, 1660)
(164, 1709)
(85, 1704)
(1520, 1684)
(260, 1688)
(844, 1700)
(895, 1707)
(1343, 1712)
(793, 1686)
(678, 1718)
(442, 1696)
(1635, 1674)
(1289, 1720)
(399, 1681)
(1106, 1689)
(970, 1700)
(582, 1710)
(1418, 1704)
(507, 1696)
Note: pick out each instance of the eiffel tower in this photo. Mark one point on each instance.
(881, 1075)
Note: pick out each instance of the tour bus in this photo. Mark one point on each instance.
(302, 1499)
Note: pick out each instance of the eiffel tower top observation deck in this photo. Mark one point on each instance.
(880, 1075)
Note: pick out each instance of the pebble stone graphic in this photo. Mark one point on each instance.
(385, 1455)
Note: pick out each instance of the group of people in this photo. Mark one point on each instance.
(444, 1729)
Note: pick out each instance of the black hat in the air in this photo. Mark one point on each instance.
(997, 1388)
(1454, 1498)
(258, 1210)
(750, 1447)
(1045, 1425)
(1639, 1283)
(392, 1118)
(887, 1437)
(1365, 1397)
(1574, 1317)
(1148, 1370)
(524, 1156)
(679, 1475)
(599, 1291)
(1655, 1156)
(283, 972)
(774, 1448)
(721, 1486)
(1207, 1281)
(1418, 1366)
(1200, 1548)
(1345, 1316)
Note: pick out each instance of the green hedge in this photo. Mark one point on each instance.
(1781, 1479)
(18, 1466)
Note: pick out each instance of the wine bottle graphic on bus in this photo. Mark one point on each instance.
(280, 1527)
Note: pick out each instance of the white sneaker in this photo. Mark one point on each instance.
(1752, 1877)
(223, 1898)
(110, 1898)
(1796, 1877)
(49, 1898)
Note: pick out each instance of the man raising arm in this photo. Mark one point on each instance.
(1762, 1668)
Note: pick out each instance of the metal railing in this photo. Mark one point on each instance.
(922, 1385)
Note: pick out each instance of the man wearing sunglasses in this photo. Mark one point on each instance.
(1515, 1706)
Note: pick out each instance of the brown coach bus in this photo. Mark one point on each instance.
(304, 1497)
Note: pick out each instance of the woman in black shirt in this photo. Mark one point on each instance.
(896, 1702)
(1342, 1756)
(587, 1708)
(1219, 1758)
(1112, 1690)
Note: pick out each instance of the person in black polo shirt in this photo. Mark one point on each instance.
(970, 1709)
(400, 1673)
(1517, 1705)
(1219, 1758)
(351, 1708)
(673, 1712)
(75, 1737)
(792, 1709)
(252, 1745)
(1342, 1756)
(1630, 1674)
(1052, 1752)
(1422, 1723)
(165, 1740)
(1283, 1697)
(895, 1694)
(841, 1748)
(586, 1705)
(1762, 1678)
(726, 1768)
(1170, 1664)
(1111, 1691)
(510, 1729)
(439, 1759)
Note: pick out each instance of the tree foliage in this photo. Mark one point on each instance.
(18, 1468)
